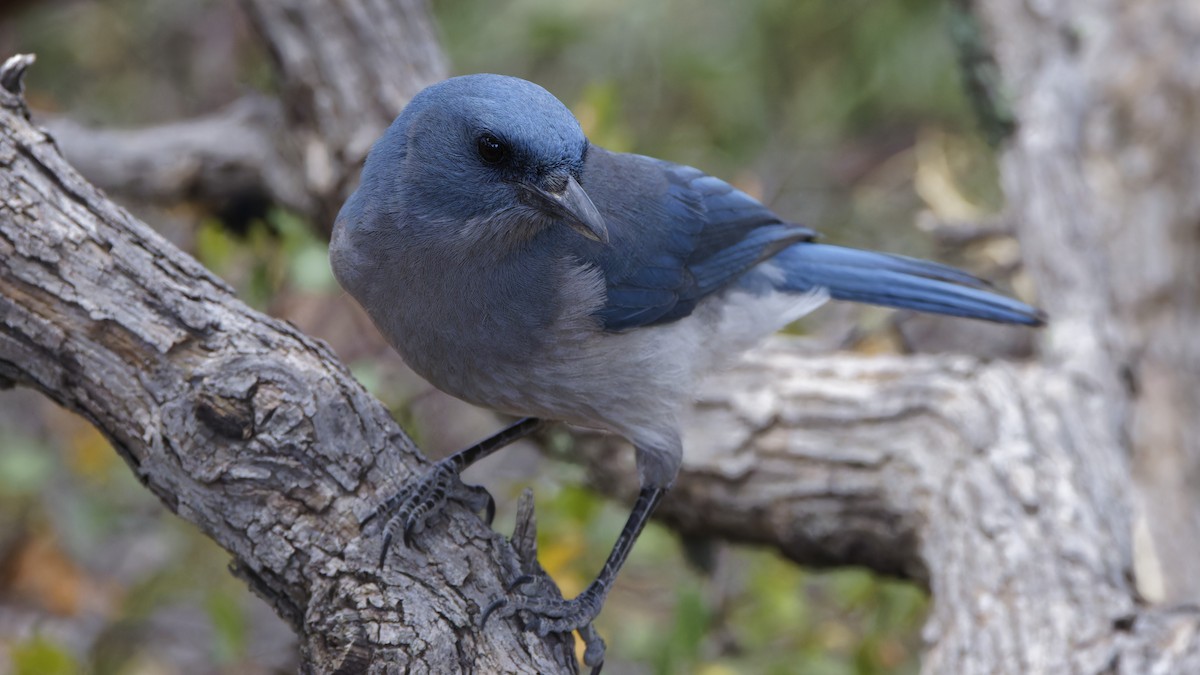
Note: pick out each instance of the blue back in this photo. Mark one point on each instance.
(679, 235)
(676, 236)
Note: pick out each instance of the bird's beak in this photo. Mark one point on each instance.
(574, 206)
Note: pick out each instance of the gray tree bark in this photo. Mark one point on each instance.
(1039, 503)
(1102, 176)
(992, 484)
(347, 69)
(241, 425)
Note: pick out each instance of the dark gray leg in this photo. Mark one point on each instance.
(553, 615)
(424, 497)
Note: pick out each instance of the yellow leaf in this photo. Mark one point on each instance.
(558, 557)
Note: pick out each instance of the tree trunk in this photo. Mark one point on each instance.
(347, 70)
(989, 483)
(1102, 176)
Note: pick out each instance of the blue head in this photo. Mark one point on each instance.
(481, 158)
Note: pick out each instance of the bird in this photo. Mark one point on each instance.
(517, 266)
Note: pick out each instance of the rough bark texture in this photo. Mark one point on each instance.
(241, 425)
(980, 480)
(1102, 178)
(1016, 493)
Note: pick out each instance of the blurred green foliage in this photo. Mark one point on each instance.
(132, 62)
(42, 656)
(278, 254)
(795, 101)
(25, 466)
(847, 115)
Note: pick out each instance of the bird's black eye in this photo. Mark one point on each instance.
(491, 149)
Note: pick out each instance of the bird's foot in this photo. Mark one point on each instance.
(423, 498)
(544, 611)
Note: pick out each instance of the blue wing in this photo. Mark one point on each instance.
(676, 236)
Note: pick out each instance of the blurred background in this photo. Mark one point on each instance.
(847, 115)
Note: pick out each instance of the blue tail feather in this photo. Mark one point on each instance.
(897, 281)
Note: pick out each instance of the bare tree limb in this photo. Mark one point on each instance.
(347, 69)
(957, 233)
(221, 159)
(241, 425)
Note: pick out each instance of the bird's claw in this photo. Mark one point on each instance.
(545, 614)
(423, 498)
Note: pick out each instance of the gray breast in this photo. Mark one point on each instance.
(481, 327)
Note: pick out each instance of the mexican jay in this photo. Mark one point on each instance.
(517, 266)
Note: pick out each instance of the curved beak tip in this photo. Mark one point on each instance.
(580, 213)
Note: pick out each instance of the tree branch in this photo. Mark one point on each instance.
(981, 481)
(241, 425)
(347, 69)
(223, 160)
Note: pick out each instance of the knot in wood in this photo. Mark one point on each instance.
(341, 647)
(230, 417)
